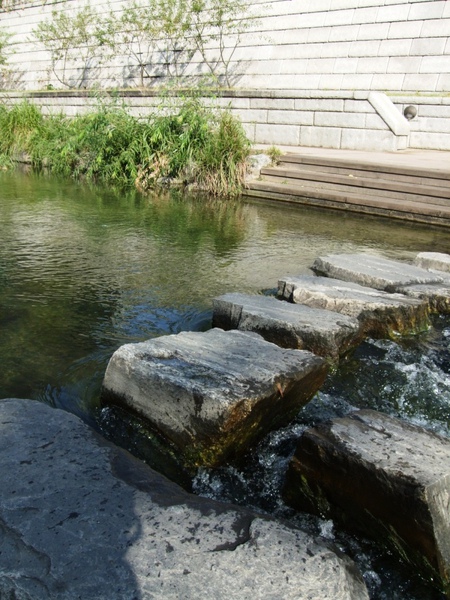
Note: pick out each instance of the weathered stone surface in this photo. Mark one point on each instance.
(81, 518)
(381, 314)
(433, 260)
(388, 478)
(213, 393)
(288, 325)
(255, 163)
(372, 271)
(437, 295)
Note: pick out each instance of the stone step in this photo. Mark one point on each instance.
(380, 314)
(351, 169)
(357, 201)
(212, 394)
(326, 333)
(374, 168)
(380, 186)
(395, 198)
(383, 476)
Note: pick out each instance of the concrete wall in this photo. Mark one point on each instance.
(333, 73)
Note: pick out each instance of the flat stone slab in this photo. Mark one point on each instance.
(212, 394)
(82, 518)
(387, 477)
(433, 260)
(437, 295)
(373, 271)
(380, 314)
(288, 325)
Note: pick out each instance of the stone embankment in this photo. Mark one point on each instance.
(82, 518)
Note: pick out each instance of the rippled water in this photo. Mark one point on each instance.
(85, 270)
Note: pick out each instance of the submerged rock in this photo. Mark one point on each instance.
(380, 314)
(326, 333)
(212, 394)
(81, 518)
(373, 271)
(385, 477)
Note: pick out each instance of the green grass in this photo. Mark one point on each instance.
(191, 144)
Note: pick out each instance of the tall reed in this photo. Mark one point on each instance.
(191, 144)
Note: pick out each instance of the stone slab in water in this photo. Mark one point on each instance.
(212, 394)
(381, 314)
(437, 295)
(82, 518)
(387, 477)
(373, 271)
(433, 260)
(323, 332)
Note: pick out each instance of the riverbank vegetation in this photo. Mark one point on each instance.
(187, 144)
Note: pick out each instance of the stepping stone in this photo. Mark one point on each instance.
(82, 518)
(326, 333)
(437, 295)
(373, 271)
(433, 260)
(212, 394)
(383, 476)
(380, 314)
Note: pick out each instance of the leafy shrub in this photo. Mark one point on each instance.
(191, 143)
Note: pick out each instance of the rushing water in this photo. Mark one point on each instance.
(85, 270)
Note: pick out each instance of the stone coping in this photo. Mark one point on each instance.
(431, 98)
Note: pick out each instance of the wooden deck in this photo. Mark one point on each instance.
(412, 185)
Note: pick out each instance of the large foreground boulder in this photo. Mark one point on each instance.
(381, 315)
(212, 394)
(373, 271)
(388, 478)
(82, 519)
(326, 333)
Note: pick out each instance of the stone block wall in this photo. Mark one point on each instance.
(305, 72)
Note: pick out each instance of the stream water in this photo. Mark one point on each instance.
(84, 270)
